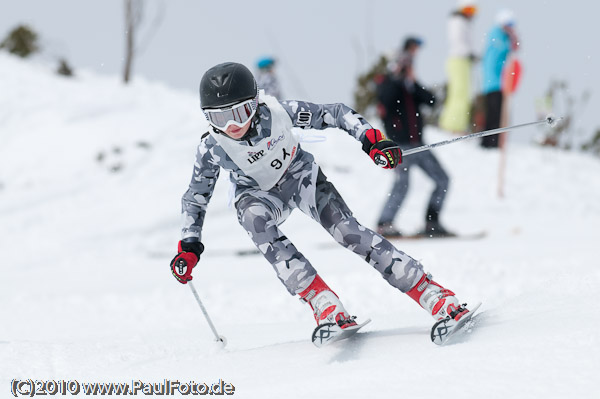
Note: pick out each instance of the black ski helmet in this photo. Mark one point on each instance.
(226, 84)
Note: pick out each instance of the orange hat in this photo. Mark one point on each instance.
(467, 7)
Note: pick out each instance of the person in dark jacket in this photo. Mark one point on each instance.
(400, 98)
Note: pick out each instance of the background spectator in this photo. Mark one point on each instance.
(266, 77)
(501, 40)
(400, 97)
(455, 115)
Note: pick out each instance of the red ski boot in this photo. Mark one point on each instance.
(325, 304)
(437, 300)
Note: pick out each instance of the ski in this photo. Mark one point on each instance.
(444, 330)
(328, 333)
(423, 235)
(328, 245)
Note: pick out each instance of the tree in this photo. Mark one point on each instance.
(134, 12)
(64, 69)
(21, 41)
(365, 94)
(561, 100)
(594, 144)
(133, 17)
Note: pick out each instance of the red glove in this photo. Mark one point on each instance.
(382, 151)
(183, 263)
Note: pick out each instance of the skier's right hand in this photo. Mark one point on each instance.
(188, 254)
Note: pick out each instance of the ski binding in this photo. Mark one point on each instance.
(443, 330)
(328, 333)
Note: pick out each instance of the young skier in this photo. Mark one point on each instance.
(251, 137)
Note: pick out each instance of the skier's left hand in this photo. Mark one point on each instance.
(383, 152)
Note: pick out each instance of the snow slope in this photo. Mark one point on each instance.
(86, 293)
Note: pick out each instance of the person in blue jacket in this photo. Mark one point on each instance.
(266, 78)
(501, 40)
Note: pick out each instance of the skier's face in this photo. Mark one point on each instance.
(236, 132)
(233, 120)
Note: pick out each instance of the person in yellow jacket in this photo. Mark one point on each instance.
(456, 112)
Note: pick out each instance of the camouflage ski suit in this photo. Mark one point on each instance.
(273, 176)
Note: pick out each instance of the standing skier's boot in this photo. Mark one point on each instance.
(387, 230)
(437, 300)
(325, 304)
(433, 227)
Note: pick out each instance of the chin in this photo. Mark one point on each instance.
(238, 134)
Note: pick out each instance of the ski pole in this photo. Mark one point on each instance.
(552, 121)
(219, 338)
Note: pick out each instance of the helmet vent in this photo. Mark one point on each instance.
(221, 80)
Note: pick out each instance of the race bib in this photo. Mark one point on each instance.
(267, 160)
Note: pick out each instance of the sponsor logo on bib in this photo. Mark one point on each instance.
(273, 143)
(255, 156)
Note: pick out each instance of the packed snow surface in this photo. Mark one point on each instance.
(91, 176)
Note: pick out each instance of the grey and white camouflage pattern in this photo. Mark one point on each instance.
(303, 186)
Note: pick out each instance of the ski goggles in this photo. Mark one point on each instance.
(237, 114)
